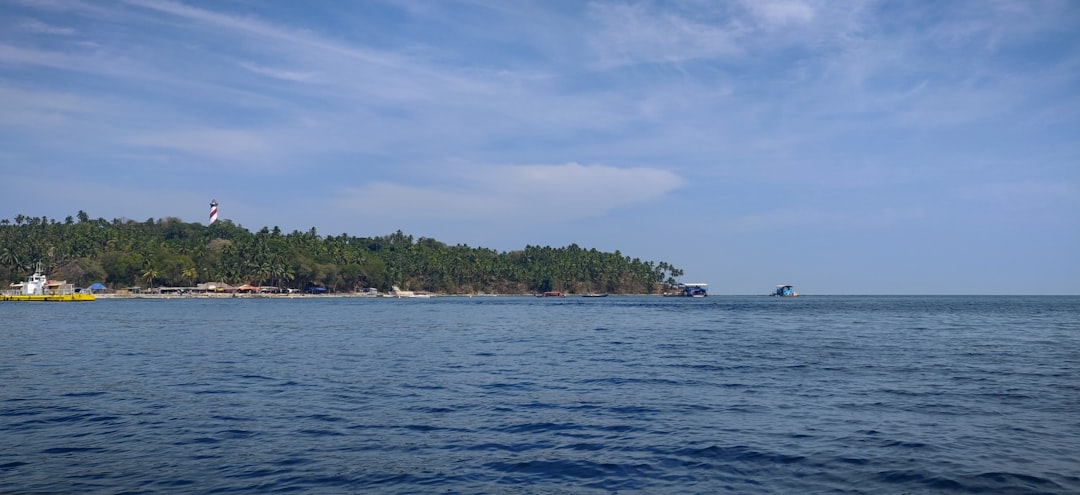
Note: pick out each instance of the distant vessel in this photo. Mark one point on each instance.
(398, 293)
(785, 291)
(690, 290)
(551, 293)
(594, 295)
(39, 288)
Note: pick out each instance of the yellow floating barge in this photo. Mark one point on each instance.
(48, 297)
(39, 288)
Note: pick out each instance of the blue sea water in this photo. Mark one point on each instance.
(522, 395)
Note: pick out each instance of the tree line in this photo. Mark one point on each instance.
(169, 252)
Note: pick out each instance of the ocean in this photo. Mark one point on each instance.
(522, 395)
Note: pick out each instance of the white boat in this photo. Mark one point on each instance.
(398, 293)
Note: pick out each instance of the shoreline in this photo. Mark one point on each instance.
(337, 295)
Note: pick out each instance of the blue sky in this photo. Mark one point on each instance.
(844, 147)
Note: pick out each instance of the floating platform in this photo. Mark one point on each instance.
(48, 297)
(785, 290)
(39, 288)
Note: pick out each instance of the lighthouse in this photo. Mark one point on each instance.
(213, 211)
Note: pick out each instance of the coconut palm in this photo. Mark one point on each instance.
(149, 274)
(190, 274)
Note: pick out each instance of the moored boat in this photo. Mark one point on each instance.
(690, 290)
(40, 288)
(784, 290)
(551, 293)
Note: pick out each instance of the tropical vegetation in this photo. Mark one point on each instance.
(168, 252)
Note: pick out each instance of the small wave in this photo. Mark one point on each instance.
(69, 418)
(321, 433)
(631, 381)
(231, 418)
(236, 433)
(906, 445)
(429, 428)
(510, 386)
(540, 427)
(633, 410)
(322, 417)
(201, 440)
(432, 410)
(83, 394)
(71, 450)
(576, 469)
(291, 461)
(929, 480)
(1019, 480)
(740, 453)
(175, 483)
(423, 386)
(494, 447)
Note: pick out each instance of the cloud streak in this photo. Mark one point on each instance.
(36, 26)
(547, 193)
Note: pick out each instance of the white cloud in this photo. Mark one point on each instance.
(301, 41)
(526, 192)
(1019, 195)
(27, 56)
(36, 26)
(780, 13)
(797, 217)
(218, 143)
(287, 75)
(25, 108)
(632, 34)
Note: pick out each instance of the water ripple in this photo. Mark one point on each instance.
(518, 395)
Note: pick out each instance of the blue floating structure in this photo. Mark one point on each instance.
(785, 291)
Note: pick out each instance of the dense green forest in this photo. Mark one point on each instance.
(168, 252)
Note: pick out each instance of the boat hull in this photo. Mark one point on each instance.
(50, 298)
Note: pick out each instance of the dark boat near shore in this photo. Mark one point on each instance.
(690, 290)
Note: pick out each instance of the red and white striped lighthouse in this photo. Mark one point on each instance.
(213, 211)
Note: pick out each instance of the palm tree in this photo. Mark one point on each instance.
(9, 258)
(149, 274)
(190, 274)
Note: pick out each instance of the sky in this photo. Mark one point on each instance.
(900, 147)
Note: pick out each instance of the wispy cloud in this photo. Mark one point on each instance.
(231, 144)
(301, 41)
(286, 75)
(1020, 195)
(10, 54)
(43, 110)
(546, 193)
(636, 33)
(780, 13)
(36, 26)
